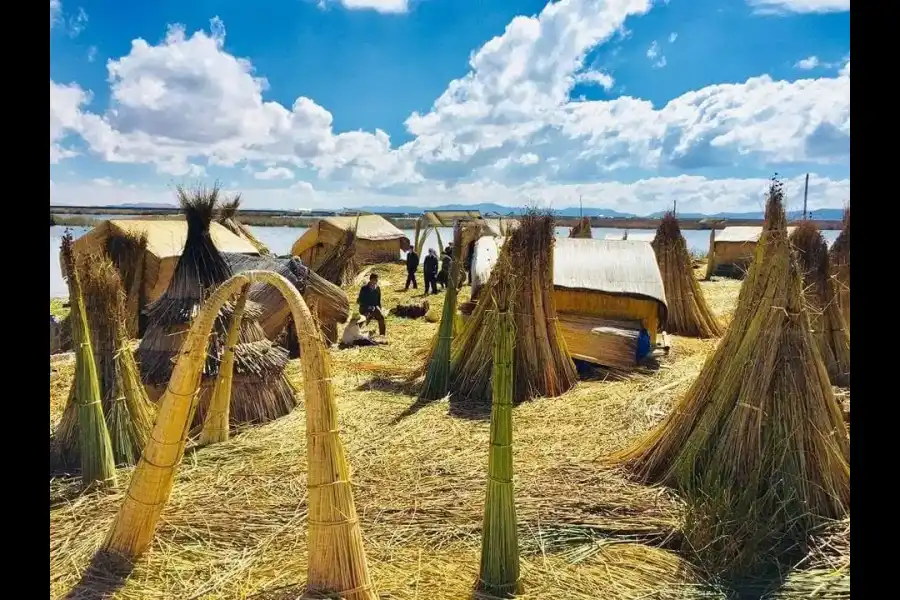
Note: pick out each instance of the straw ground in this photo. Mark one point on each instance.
(235, 524)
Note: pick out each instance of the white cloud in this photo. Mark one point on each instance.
(55, 10)
(672, 37)
(604, 80)
(845, 70)
(382, 6)
(799, 6)
(656, 56)
(77, 23)
(274, 173)
(808, 63)
(92, 54)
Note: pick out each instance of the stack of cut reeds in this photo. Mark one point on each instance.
(128, 252)
(228, 218)
(757, 445)
(688, 313)
(582, 229)
(840, 265)
(339, 264)
(828, 326)
(543, 367)
(611, 343)
(261, 391)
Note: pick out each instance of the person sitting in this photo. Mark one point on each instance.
(430, 268)
(353, 336)
(369, 301)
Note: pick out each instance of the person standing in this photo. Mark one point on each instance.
(444, 274)
(369, 301)
(412, 264)
(430, 268)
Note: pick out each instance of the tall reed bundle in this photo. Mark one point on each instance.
(828, 327)
(689, 315)
(228, 218)
(757, 444)
(128, 413)
(97, 463)
(328, 301)
(339, 265)
(261, 392)
(128, 251)
(840, 266)
(543, 367)
(437, 374)
(582, 229)
(499, 574)
(337, 560)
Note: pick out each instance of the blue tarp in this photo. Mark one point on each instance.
(643, 345)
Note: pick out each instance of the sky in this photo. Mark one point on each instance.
(632, 105)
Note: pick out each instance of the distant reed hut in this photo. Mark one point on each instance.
(581, 229)
(376, 240)
(731, 250)
(609, 296)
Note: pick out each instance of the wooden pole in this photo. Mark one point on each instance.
(805, 193)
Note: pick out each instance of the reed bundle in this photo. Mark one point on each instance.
(128, 251)
(95, 449)
(437, 373)
(689, 314)
(543, 367)
(228, 218)
(499, 573)
(415, 310)
(260, 392)
(582, 229)
(339, 264)
(757, 444)
(840, 266)
(828, 327)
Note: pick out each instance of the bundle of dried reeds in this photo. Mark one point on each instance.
(228, 218)
(499, 574)
(127, 251)
(757, 444)
(97, 463)
(543, 367)
(437, 374)
(337, 562)
(415, 310)
(128, 412)
(339, 265)
(828, 327)
(260, 391)
(582, 229)
(688, 313)
(840, 267)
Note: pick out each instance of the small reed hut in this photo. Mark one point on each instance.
(757, 445)
(732, 249)
(261, 392)
(376, 240)
(839, 256)
(609, 296)
(147, 252)
(582, 229)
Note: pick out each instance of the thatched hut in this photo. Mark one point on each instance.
(731, 250)
(261, 391)
(164, 241)
(582, 229)
(376, 240)
(609, 296)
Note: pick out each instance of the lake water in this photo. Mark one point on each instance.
(281, 239)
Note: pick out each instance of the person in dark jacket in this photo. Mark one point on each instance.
(443, 277)
(469, 257)
(430, 268)
(412, 263)
(369, 302)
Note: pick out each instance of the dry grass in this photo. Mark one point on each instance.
(235, 525)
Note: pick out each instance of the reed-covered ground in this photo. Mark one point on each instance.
(235, 525)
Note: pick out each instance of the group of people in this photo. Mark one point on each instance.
(437, 273)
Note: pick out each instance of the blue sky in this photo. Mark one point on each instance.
(630, 104)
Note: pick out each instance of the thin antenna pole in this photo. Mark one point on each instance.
(805, 193)
(580, 207)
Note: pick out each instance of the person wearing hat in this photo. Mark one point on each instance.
(430, 269)
(353, 336)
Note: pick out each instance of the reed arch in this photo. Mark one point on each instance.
(337, 560)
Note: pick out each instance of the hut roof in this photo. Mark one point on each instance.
(369, 227)
(165, 238)
(622, 267)
(742, 234)
(447, 218)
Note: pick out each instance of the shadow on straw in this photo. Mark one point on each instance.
(105, 575)
(470, 408)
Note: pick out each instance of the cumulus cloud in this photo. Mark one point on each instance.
(799, 6)
(808, 63)
(274, 173)
(382, 6)
(55, 10)
(604, 80)
(656, 56)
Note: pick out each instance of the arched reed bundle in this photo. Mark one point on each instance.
(582, 229)
(757, 445)
(337, 561)
(689, 314)
(228, 218)
(543, 367)
(127, 251)
(840, 267)
(98, 466)
(127, 411)
(828, 327)
(261, 392)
